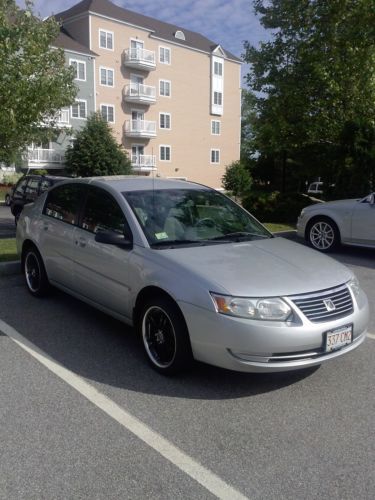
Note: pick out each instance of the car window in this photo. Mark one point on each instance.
(63, 203)
(102, 213)
(193, 215)
(20, 188)
(31, 190)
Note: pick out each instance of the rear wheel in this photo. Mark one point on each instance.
(165, 336)
(35, 273)
(323, 234)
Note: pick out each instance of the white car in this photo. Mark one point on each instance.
(349, 222)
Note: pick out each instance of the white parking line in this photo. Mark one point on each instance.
(184, 462)
(371, 336)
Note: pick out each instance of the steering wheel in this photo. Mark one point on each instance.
(205, 222)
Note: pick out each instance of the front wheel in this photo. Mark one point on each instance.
(323, 235)
(35, 273)
(165, 336)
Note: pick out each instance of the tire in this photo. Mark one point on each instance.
(35, 273)
(165, 336)
(323, 234)
(7, 200)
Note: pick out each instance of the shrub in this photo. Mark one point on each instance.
(237, 179)
(275, 206)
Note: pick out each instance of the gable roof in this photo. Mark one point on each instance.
(158, 29)
(65, 41)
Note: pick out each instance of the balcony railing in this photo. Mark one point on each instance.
(140, 58)
(140, 128)
(143, 163)
(42, 156)
(139, 93)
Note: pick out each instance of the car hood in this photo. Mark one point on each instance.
(333, 204)
(271, 267)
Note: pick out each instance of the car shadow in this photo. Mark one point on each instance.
(104, 350)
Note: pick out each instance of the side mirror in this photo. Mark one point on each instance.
(113, 238)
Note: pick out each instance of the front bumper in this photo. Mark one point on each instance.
(266, 346)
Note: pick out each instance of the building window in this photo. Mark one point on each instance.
(165, 88)
(215, 127)
(165, 120)
(106, 77)
(218, 68)
(108, 112)
(218, 98)
(79, 69)
(164, 55)
(79, 109)
(165, 153)
(106, 39)
(215, 155)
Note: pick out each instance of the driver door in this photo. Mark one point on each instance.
(363, 223)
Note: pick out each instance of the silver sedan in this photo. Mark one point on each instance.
(350, 222)
(194, 273)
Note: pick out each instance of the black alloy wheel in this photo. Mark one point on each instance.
(35, 273)
(165, 336)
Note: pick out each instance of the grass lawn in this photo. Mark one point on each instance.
(278, 227)
(3, 192)
(8, 250)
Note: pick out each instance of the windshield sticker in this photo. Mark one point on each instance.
(161, 236)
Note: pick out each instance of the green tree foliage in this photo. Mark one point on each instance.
(237, 179)
(34, 81)
(315, 76)
(95, 152)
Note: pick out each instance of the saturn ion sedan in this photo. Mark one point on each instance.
(195, 274)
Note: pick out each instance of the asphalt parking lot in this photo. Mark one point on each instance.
(105, 426)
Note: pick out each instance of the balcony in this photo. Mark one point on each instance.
(139, 93)
(143, 163)
(140, 128)
(37, 157)
(140, 59)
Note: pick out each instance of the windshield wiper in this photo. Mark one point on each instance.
(175, 243)
(241, 236)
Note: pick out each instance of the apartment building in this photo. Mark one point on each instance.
(171, 96)
(51, 154)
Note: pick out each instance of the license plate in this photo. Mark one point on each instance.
(339, 337)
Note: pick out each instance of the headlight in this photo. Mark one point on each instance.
(274, 309)
(354, 286)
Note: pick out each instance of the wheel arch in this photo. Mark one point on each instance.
(147, 293)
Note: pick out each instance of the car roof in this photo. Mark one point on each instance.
(121, 183)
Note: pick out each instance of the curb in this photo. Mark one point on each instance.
(9, 268)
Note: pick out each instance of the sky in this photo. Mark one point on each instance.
(226, 22)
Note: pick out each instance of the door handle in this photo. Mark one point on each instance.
(46, 227)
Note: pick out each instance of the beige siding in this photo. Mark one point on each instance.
(190, 136)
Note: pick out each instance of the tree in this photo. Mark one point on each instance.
(316, 74)
(237, 179)
(95, 152)
(34, 81)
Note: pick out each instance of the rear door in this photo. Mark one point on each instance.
(101, 271)
(60, 217)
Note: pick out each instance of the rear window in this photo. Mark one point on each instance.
(63, 203)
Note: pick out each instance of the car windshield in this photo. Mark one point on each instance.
(184, 217)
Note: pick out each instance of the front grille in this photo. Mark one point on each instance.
(325, 305)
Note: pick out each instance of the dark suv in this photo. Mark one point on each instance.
(27, 190)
